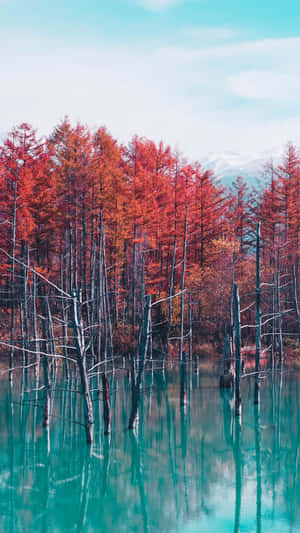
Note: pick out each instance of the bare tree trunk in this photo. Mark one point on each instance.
(182, 286)
(227, 378)
(273, 325)
(190, 326)
(81, 359)
(35, 326)
(296, 303)
(143, 286)
(171, 294)
(107, 302)
(106, 409)
(92, 292)
(182, 379)
(51, 336)
(136, 389)
(280, 345)
(75, 257)
(64, 321)
(134, 280)
(47, 379)
(237, 349)
(258, 316)
(70, 256)
(100, 299)
(116, 314)
(25, 303)
(12, 278)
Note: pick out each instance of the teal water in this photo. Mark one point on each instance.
(187, 470)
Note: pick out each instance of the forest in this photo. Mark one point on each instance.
(87, 213)
(133, 285)
(112, 251)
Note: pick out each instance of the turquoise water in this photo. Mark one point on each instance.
(191, 469)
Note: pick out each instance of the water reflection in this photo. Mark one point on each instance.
(186, 468)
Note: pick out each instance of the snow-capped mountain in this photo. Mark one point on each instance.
(227, 166)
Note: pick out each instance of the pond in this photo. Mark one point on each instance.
(190, 469)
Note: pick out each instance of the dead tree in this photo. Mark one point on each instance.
(182, 379)
(136, 386)
(171, 294)
(25, 303)
(279, 324)
(182, 285)
(227, 378)
(64, 320)
(190, 326)
(106, 301)
(47, 379)
(258, 315)
(81, 360)
(12, 276)
(237, 320)
(106, 409)
(296, 303)
(35, 324)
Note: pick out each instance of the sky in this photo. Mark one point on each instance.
(205, 76)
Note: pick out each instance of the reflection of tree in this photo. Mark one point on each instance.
(174, 470)
(292, 457)
(84, 493)
(258, 466)
(106, 449)
(237, 453)
(11, 453)
(183, 431)
(139, 473)
(235, 442)
(45, 492)
(227, 405)
(169, 433)
(273, 427)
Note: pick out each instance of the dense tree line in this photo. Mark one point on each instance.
(120, 222)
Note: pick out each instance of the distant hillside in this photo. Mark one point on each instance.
(228, 165)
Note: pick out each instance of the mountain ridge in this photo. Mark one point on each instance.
(228, 165)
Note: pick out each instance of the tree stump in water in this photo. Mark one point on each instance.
(227, 381)
(227, 378)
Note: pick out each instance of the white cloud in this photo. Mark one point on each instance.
(158, 5)
(210, 34)
(184, 96)
(267, 85)
(266, 50)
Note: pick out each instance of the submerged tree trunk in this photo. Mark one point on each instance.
(136, 386)
(47, 378)
(106, 409)
(182, 379)
(81, 359)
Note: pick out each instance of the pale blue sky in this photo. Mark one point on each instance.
(203, 75)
